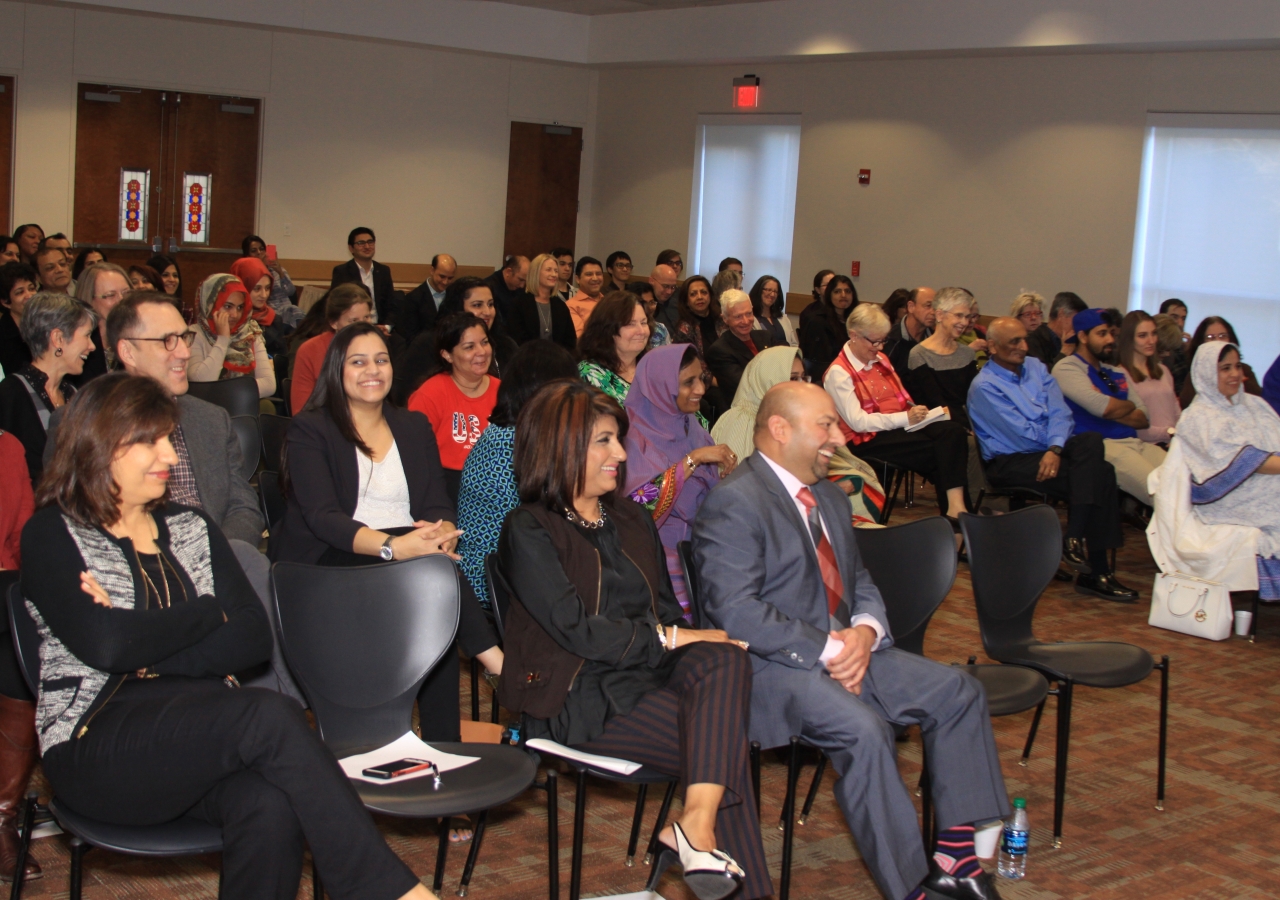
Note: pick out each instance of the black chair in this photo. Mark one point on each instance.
(272, 429)
(238, 396)
(246, 429)
(892, 478)
(360, 642)
(684, 550)
(285, 387)
(270, 499)
(182, 837)
(914, 566)
(500, 597)
(1012, 558)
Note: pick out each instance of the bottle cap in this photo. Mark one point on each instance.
(1019, 803)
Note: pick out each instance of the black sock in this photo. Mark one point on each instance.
(1077, 520)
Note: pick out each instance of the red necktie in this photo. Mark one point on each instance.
(826, 556)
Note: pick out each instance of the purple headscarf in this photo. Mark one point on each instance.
(660, 434)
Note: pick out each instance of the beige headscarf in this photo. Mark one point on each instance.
(738, 424)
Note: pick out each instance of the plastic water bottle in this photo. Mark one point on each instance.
(1013, 844)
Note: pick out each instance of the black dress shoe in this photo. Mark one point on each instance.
(939, 884)
(1108, 587)
(1075, 556)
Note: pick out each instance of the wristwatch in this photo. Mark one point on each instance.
(1056, 449)
(386, 552)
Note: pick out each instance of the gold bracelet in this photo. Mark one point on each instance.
(662, 635)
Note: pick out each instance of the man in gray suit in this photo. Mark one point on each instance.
(149, 337)
(778, 567)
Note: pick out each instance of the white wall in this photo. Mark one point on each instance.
(410, 141)
(996, 173)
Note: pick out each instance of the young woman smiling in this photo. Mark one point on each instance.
(1138, 349)
(460, 397)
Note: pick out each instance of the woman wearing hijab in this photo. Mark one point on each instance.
(736, 429)
(1231, 442)
(255, 275)
(672, 462)
(228, 340)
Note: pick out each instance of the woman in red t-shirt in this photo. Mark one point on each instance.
(460, 396)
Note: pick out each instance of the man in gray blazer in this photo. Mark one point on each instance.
(140, 329)
(778, 567)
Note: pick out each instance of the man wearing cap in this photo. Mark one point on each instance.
(1024, 429)
(1100, 400)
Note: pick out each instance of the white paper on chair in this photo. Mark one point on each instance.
(407, 746)
(937, 414)
(608, 763)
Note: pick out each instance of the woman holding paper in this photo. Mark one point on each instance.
(599, 655)
(879, 419)
(144, 617)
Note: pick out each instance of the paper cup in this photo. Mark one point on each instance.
(1244, 618)
(986, 840)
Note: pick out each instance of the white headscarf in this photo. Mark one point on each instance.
(1214, 428)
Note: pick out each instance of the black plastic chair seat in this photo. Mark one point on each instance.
(1010, 689)
(642, 775)
(1103, 664)
(181, 837)
(500, 775)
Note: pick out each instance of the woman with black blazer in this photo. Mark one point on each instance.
(363, 482)
(539, 302)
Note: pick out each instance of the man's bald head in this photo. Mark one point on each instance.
(1007, 337)
(798, 428)
(664, 281)
(444, 268)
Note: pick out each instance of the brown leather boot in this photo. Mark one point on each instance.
(19, 750)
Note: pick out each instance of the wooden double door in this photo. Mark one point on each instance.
(542, 188)
(169, 172)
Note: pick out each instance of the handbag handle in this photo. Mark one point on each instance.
(1199, 598)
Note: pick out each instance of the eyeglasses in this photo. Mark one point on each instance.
(363, 243)
(805, 378)
(623, 265)
(877, 344)
(115, 296)
(170, 341)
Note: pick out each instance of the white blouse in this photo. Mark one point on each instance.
(383, 501)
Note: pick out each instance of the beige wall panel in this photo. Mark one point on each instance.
(44, 135)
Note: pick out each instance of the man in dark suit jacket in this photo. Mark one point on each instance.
(792, 584)
(509, 283)
(731, 352)
(209, 458)
(419, 307)
(364, 270)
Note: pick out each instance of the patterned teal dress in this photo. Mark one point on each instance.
(487, 494)
(611, 383)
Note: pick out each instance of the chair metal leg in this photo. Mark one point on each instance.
(476, 839)
(579, 825)
(661, 822)
(475, 690)
(1031, 735)
(755, 772)
(1163, 666)
(553, 836)
(909, 498)
(1064, 748)
(442, 854)
(24, 845)
(78, 849)
(926, 801)
(641, 794)
(317, 888)
(493, 706)
(788, 818)
(813, 788)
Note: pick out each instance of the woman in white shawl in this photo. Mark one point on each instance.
(737, 427)
(1230, 440)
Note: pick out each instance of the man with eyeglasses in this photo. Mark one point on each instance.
(665, 280)
(151, 339)
(915, 326)
(363, 269)
(619, 266)
(101, 287)
(1098, 393)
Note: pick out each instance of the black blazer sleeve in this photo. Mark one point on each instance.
(417, 313)
(18, 415)
(518, 325)
(724, 359)
(342, 275)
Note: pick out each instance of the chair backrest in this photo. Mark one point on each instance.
(360, 641)
(914, 566)
(238, 396)
(685, 551)
(499, 593)
(270, 498)
(286, 385)
(26, 638)
(1012, 559)
(273, 430)
(246, 429)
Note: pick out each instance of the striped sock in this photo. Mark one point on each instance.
(954, 853)
(917, 894)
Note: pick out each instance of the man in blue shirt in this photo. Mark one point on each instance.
(1023, 426)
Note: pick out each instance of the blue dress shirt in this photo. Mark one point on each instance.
(1018, 412)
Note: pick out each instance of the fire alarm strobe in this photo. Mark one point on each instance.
(746, 92)
(864, 176)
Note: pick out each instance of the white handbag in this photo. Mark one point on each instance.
(1191, 606)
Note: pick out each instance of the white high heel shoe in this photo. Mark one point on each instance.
(711, 874)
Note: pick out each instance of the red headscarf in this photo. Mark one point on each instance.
(250, 270)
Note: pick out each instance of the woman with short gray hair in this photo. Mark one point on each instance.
(941, 368)
(57, 329)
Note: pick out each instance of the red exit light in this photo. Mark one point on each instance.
(746, 92)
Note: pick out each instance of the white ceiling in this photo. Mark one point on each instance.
(605, 7)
